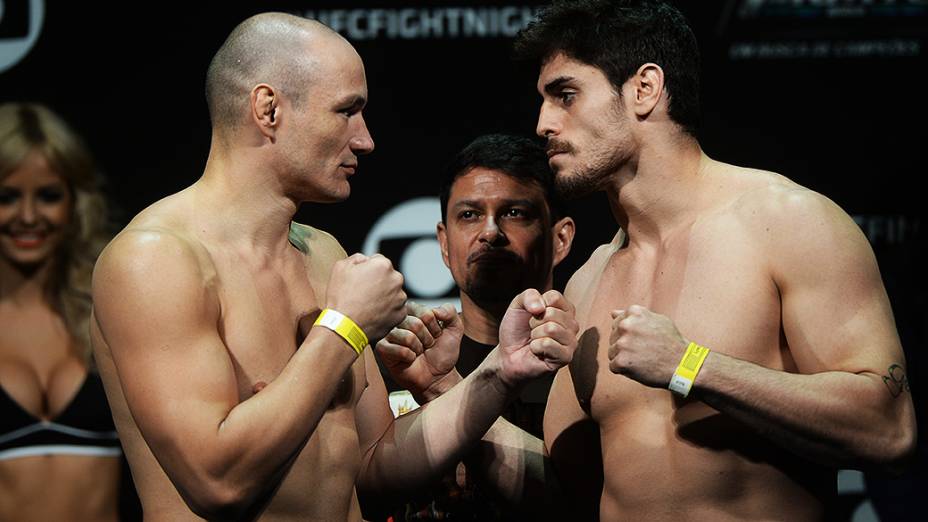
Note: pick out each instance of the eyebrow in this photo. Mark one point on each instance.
(507, 202)
(352, 102)
(555, 84)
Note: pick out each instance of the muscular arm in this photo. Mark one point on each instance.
(848, 405)
(559, 478)
(159, 314)
(420, 446)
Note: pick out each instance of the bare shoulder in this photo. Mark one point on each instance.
(153, 262)
(320, 248)
(587, 274)
(783, 209)
(794, 225)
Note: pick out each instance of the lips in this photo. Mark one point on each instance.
(28, 240)
(495, 256)
(350, 167)
(555, 147)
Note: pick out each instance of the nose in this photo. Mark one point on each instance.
(27, 210)
(362, 143)
(490, 232)
(547, 125)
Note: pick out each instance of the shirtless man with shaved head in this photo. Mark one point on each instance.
(231, 401)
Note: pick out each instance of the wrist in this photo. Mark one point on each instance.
(344, 327)
(687, 371)
(439, 387)
(493, 370)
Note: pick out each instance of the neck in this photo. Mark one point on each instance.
(661, 190)
(481, 322)
(25, 285)
(244, 199)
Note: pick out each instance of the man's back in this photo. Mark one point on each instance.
(724, 280)
(260, 308)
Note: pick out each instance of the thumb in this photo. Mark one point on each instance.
(448, 315)
(530, 300)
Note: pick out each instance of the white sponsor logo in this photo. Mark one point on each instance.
(20, 26)
(406, 235)
(421, 23)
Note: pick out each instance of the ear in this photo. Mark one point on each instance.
(648, 85)
(264, 109)
(563, 232)
(443, 242)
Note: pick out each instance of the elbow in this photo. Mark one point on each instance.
(895, 450)
(214, 499)
(902, 451)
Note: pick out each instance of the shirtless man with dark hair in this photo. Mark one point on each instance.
(230, 401)
(804, 371)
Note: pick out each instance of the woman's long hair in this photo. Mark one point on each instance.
(27, 127)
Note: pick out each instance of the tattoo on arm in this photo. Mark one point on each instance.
(896, 382)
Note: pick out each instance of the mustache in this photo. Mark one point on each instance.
(556, 146)
(497, 255)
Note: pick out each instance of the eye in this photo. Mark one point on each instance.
(8, 196)
(50, 195)
(515, 213)
(566, 97)
(467, 215)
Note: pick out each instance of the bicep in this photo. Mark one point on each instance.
(835, 311)
(172, 365)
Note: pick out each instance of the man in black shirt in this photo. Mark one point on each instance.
(503, 230)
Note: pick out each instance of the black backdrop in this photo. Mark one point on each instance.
(830, 93)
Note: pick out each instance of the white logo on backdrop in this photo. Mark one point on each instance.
(20, 25)
(420, 23)
(406, 234)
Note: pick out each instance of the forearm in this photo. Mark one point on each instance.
(420, 446)
(515, 464)
(836, 418)
(249, 450)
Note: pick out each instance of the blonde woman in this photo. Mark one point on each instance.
(59, 453)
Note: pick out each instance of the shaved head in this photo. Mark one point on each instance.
(271, 48)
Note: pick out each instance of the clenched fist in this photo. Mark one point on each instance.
(645, 346)
(420, 352)
(538, 335)
(369, 291)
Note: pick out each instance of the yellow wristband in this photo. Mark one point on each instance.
(344, 327)
(686, 372)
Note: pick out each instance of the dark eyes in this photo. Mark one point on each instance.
(8, 196)
(566, 97)
(50, 195)
(508, 213)
(44, 195)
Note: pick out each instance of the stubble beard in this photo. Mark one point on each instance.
(585, 179)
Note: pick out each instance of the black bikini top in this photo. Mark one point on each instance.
(85, 427)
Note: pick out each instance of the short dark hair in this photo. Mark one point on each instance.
(267, 47)
(516, 156)
(618, 37)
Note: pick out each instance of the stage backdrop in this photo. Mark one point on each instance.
(830, 93)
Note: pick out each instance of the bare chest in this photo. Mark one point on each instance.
(715, 289)
(265, 314)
